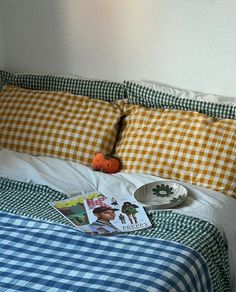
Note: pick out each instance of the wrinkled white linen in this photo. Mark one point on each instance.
(73, 178)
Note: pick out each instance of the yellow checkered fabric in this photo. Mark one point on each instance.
(56, 124)
(181, 145)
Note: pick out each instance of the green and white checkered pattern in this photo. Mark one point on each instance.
(145, 96)
(32, 200)
(105, 90)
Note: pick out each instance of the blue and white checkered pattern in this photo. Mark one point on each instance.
(43, 256)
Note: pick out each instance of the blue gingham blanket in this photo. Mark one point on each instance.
(37, 255)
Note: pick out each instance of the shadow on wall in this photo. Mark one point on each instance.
(57, 36)
(89, 38)
(34, 36)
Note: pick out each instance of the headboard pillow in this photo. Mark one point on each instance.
(163, 97)
(186, 93)
(57, 124)
(181, 145)
(100, 89)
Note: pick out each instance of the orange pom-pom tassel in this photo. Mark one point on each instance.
(97, 162)
(106, 163)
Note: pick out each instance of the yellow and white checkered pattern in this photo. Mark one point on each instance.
(56, 124)
(181, 145)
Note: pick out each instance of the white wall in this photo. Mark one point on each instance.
(189, 44)
(1, 45)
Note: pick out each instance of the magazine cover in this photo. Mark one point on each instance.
(111, 216)
(73, 209)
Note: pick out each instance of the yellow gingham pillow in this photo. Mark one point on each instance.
(56, 124)
(182, 145)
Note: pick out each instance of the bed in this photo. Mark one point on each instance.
(50, 129)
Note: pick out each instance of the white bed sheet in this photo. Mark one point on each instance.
(73, 178)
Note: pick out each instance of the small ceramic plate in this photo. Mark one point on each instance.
(161, 195)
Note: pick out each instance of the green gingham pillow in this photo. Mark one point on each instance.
(105, 90)
(146, 96)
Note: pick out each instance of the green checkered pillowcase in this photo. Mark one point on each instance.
(145, 96)
(105, 90)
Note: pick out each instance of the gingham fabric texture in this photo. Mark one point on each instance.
(146, 96)
(182, 145)
(197, 234)
(56, 124)
(21, 198)
(101, 89)
(29, 199)
(186, 93)
(41, 256)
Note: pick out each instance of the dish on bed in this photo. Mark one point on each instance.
(161, 195)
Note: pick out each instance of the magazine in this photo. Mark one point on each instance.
(73, 209)
(116, 216)
(96, 214)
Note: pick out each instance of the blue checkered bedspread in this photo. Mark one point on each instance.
(38, 255)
